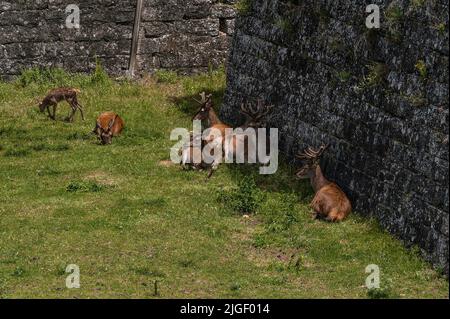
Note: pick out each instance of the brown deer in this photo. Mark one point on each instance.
(108, 125)
(329, 202)
(58, 95)
(207, 113)
(255, 118)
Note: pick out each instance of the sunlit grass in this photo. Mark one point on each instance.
(127, 219)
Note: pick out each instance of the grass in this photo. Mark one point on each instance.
(130, 221)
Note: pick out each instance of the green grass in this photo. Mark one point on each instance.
(128, 219)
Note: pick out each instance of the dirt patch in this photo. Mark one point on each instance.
(166, 163)
(103, 178)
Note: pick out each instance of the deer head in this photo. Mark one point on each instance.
(106, 134)
(256, 114)
(311, 160)
(206, 105)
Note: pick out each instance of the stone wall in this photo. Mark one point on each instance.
(33, 33)
(184, 35)
(379, 97)
(189, 35)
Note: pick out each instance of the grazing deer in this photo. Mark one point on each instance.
(58, 95)
(108, 125)
(329, 202)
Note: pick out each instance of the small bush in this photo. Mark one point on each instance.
(100, 77)
(246, 198)
(280, 214)
(43, 76)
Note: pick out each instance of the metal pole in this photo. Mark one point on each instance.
(135, 39)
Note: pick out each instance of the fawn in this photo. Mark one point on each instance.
(329, 202)
(58, 95)
(108, 125)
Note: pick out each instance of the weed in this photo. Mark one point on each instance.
(376, 75)
(243, 7)
(100, 77)
(344, 76)
(83, 187)
(421, 67)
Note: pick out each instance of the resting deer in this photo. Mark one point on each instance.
(255, 118)
(329, 202)
(58, 95)
(108, 125)
(207, 113)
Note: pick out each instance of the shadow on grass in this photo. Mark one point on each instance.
(188, 105)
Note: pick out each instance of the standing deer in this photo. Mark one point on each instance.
(329, 202)
(108, 125)
(58, 95)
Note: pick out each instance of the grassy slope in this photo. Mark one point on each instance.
(153, 222)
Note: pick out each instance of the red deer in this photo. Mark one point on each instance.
(58, 95)
(255, 117)
(108, 125)
(207, 113)
(329, 202)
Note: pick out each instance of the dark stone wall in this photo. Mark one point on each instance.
(33, 33)
(380, 98)
(182, 35)
(188, 35)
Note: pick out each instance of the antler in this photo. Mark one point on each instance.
(205, 98)
(256, 112)
(311, 154)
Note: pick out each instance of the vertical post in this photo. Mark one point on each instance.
(135, 39)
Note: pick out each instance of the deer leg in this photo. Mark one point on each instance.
(80, 107)
(53, 117)
(72, 114)
(48, 111)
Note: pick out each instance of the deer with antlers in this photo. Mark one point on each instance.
(329, 202)
(54, 97)
(255, 116)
